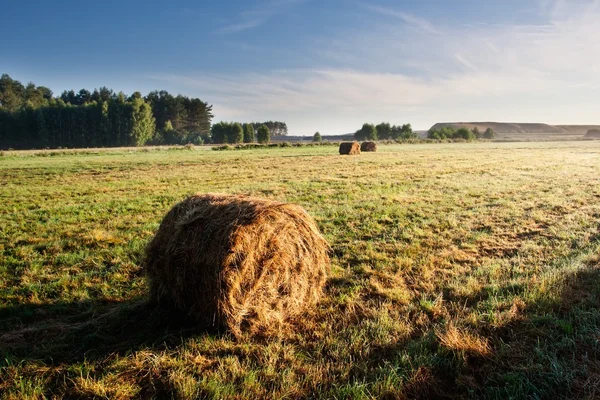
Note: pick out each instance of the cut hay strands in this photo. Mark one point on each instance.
(245, 264)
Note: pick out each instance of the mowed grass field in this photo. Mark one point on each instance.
(459, 270)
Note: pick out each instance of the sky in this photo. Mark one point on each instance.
(322, 65)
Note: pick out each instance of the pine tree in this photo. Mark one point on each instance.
(235, 133)
(248, 133)
(263, 135)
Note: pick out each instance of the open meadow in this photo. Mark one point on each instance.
(467, 270)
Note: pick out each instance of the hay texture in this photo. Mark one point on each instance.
(245, 264)
(349, 148)
(368, 147)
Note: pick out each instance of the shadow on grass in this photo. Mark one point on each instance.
(552, 349)
(92, 330)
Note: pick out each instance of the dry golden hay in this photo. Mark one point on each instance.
(350, 148)
(368, 146)
(245, 264)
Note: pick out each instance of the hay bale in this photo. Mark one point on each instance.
(350, 148)
(368, 146)
(237, 262)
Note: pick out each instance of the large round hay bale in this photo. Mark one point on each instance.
(236, 262)
(350, 148)
(368, 146)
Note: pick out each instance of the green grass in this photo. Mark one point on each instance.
(468, 270)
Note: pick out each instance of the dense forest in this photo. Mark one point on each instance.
(31, 117)
(235, 132)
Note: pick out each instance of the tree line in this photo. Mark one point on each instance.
(385, 131)
(277, 128)
(235, 132)
(450, 132)
(32, 117)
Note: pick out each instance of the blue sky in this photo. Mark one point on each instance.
(323, 65)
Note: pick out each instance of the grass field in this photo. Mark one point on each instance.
(467, 270)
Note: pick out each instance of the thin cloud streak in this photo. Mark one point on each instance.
(242, 26)
(255, 17)
(407, 18)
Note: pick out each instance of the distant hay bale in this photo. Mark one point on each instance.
(368, 146)
(246, 264)
(350, 148)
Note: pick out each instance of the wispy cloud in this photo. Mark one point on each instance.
(549, 72)
(257, 16)
(412, 20)
(243, 25)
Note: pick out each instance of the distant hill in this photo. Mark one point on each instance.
(593, 133)
(579, 129)
(524, 130)
(502, 127)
